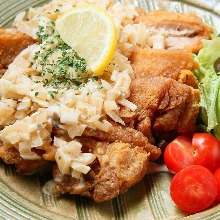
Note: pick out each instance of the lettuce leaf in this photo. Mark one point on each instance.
(209, 84)
(209, 90)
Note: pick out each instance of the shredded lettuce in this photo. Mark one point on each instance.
(209, 84)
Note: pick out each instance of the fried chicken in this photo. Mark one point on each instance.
(175, 64)
(166, 101)
(165, 92)
(164, 105)
(181, 30)
(165, 108)
(118, 166)
(12, 156)
(12, 42)
(126, 135)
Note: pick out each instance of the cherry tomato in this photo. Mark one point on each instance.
(206, 151)
(193, 189)
(217, 177)
(178, 154)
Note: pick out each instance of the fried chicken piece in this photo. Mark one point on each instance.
(122, 156)
(125, 135)
(163, 105)
(12, 42)
(165, 92)
(118, 166)
(175, 64)
(181, 30)
(12, 156)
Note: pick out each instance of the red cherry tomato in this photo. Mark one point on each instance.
(193, 189)
(217, 177)
(206, 151)
(178, 154)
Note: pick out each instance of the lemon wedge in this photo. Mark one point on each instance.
(90, 31)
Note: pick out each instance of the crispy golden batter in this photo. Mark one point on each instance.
(164, 105)
(168, 63)
(165, 92)
(12, 42)
(125, 135)
(117, 168)
(12, 156)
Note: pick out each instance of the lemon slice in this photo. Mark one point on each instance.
(90, 31)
